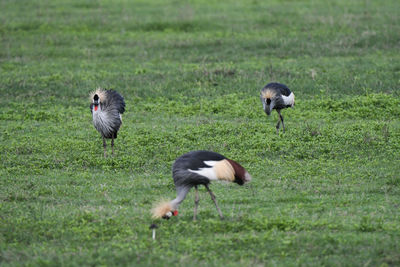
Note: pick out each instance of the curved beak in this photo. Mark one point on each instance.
(267, 110)
(268, 105)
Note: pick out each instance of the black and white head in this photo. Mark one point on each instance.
(169, 214)
(97, 99)
(269, 99)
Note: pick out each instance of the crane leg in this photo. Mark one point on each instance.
(196, 202)
(280, 120)
(278, 126)
(215, 201)
(283, 125)
(112, 145)
(104, 146)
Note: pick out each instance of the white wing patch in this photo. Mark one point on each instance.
(206, 172)
(210, 163)
(288, 100)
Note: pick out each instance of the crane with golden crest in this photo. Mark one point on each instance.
(107, 107)
(199, 168)
(276, 96)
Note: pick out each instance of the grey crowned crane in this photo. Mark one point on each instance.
(199, 168)
(276, 96)
(107, 107)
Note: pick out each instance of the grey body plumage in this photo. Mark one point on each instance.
(276, 96)
(107, 108)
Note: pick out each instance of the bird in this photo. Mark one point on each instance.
(197, 168)
(276, 96)
(107, 107)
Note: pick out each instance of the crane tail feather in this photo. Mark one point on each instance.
(160, 209)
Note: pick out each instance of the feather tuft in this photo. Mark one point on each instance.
(268, 94)
(100, 92)
(160, 209)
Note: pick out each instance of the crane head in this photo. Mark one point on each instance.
(269, 98)
(169, 214)
(164, 209)
(268, 105)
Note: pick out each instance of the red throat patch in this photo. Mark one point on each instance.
(175, 213)
(95, 108)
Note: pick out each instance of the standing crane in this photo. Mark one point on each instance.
(107, 108)
(199, 168)
(276, 96)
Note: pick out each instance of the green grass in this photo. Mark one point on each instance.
(326, 192)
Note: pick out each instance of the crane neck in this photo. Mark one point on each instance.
(181, 193)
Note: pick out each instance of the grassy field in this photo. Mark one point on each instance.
(326, 192)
